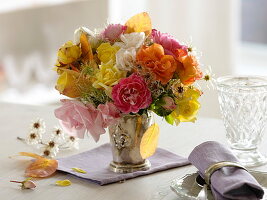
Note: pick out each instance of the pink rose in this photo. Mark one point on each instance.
(169, 43)
(77, 119)
(113, 32)
(96, 125)
(109, 112)
(131, 94)
(73, 116)
(104, 116)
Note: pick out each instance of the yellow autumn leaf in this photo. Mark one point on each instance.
(139, 23)
(149, 141)
(78, 170)
(63, 182)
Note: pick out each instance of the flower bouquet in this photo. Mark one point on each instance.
(116, 77)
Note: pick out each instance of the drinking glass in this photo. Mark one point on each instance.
(243, 104)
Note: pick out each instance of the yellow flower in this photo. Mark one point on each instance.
(191, 93)
(187, 107)
(106, 52)
(66, 85)
(68, 53)
(108, 76)
(187, 111)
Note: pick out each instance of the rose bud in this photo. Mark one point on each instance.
(169, 103)
(27, 184)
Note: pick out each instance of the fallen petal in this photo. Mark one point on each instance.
(63, 183)
(78, 170)
(41, 168)
(33, 155)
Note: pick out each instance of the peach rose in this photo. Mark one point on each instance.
(161, 65)
(188, 70)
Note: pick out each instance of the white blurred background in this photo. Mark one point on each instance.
(231, 34)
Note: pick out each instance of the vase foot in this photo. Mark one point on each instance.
(250, 158)
(128, 168)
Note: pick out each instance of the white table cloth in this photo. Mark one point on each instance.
(15, 119)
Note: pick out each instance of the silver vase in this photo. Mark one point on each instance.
(125, 139)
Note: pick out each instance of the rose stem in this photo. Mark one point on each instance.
(16, 181)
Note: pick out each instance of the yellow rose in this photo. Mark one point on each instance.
(72, 84)
(66, 85)
(108, 76)
(187, 107)
(185, 111)
(188, 111)
(68, 53)
(191, 93)
(106, 52)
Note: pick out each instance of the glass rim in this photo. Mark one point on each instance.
(222, 81)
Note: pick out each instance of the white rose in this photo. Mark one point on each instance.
(125, 58)
(94, 38)
(131, 40)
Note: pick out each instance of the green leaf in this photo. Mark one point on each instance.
(169, 119)
(157, 108)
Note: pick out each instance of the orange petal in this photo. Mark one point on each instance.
(87, 54)
(33, 155)
(139, 23)
(41, 167)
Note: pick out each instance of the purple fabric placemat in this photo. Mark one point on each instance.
(96, 163)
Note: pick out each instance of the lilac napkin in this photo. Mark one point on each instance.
(96, 162)
(228, 182)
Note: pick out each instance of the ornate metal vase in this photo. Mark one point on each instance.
(125, 139)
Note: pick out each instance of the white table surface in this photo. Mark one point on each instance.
(15, 119)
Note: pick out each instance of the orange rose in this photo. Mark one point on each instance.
(188, 70)
(153, 58)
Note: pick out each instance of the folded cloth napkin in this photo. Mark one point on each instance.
(227, 182)
(96, 163)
